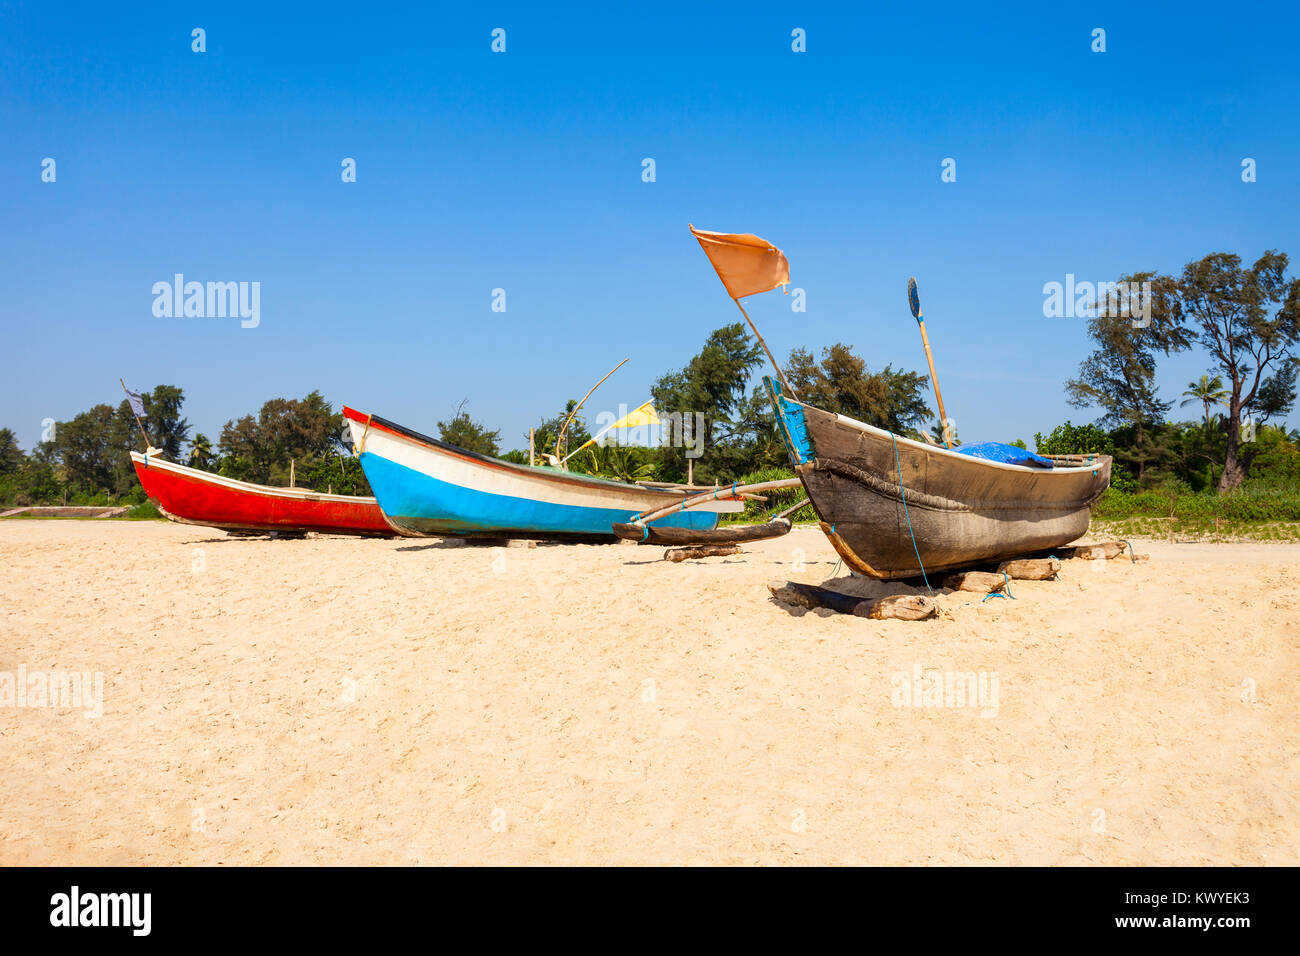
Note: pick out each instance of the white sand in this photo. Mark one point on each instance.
(348, 701)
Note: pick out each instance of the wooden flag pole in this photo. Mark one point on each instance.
(147, 443)
(770, 357)
(914, 300)
(577, 408)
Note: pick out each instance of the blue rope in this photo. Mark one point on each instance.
(1006, 587)
(899, 464)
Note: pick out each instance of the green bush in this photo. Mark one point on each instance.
(143, 512)
(777, 501)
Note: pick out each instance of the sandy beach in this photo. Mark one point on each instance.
(336, 700)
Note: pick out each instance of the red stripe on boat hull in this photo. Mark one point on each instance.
(187, 496)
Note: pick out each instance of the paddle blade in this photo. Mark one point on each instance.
(913, 298)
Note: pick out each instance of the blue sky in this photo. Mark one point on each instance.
(522, 171)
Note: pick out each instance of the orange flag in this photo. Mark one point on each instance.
(745, 263)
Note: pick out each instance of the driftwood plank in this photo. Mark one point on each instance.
(709, 551)
(981, 582)
(1031, 569)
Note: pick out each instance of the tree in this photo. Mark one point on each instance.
(547, 433)
(1248, 319)
(302, 431)
(87, 449)
(163, 423)
(11, 456)
(463, 432)
(841, 383)
(201, 452)
(1277, 393)
(1071, 439)
(712, 385)
(619, 462)
(1119, 376)
(936, 434)
(1208, 391)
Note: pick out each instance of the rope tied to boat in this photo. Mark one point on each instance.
(898, 463)
(1006, 586)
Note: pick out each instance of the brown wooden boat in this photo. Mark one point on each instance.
(893, 507)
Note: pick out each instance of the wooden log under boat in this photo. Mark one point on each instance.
(1031, 569)
(896, 607)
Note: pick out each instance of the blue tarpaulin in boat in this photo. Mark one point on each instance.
(1008, 454)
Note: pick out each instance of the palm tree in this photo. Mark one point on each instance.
(1208, 391)
(936, 436)
(201, 452)
(622, 463)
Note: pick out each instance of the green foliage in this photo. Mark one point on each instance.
(618, 462)
(777, 501)
(304, 431)
(1209, 391)
(713, 383)
(201, 456)
(336, 474)
(163, 422)
(144, 512)
(463, 432)
(1070, 439)
(11, 456)
(841, 383)
(546, 434)
(1248, 320)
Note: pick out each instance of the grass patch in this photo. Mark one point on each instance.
(144, 512)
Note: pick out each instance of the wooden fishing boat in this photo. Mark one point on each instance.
(426, 487)
(893, 507)
(190, 496)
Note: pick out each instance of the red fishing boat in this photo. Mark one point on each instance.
(198, 497)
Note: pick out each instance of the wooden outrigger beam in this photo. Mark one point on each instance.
(638, 529)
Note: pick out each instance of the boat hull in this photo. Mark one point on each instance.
(894, 508)
(190, 496)
(428, 488)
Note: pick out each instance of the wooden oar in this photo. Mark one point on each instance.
(914, 300)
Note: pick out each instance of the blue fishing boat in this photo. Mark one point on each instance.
(426, 487)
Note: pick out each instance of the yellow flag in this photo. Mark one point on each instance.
(641, 415)
(745, 263)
